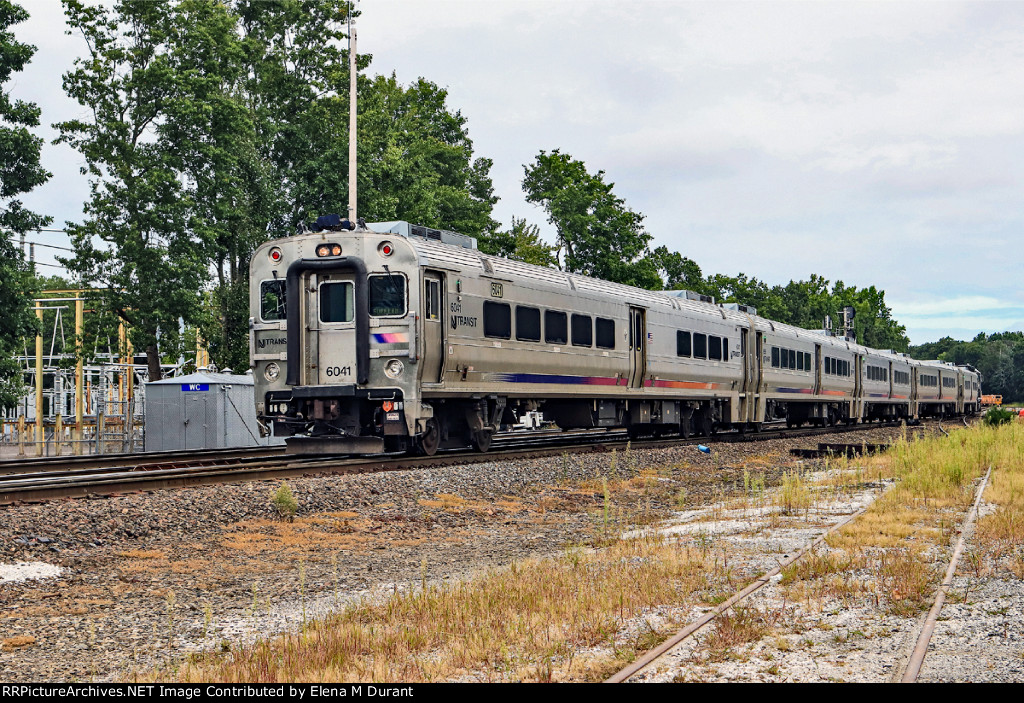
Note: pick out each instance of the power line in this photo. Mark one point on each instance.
(50, 246)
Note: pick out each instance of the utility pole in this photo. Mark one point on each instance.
(351, 118)
(79, 389)
(39, 377)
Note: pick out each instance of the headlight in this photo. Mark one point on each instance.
(272, 371)
(329, 249)
(394, 368)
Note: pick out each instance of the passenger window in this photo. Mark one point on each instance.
(582, 331)
(273, 300)
(715, 348)
(700, 346)
(792, 359)
(433, 309)
(775, 357)
(337, 302)
(527, 324)
(683, 344)
(556, 327)
(605, 332)
(725, 348)
(387, 295)
(497, 320)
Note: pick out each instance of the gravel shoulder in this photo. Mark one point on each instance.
(148, 578)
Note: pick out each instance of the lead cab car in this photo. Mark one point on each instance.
(347, 329)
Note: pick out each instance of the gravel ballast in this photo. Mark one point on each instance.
(149, 577)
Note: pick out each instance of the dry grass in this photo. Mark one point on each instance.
(143, 554)
(530, 621)
(1001, 533)
(736, 627)
(887, 557)
(18, 642)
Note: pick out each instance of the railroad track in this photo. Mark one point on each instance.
(38, 480)
(100, 461)
(911, 668)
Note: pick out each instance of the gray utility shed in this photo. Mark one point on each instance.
(201, 411)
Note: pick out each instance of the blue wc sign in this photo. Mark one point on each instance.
(186, 387)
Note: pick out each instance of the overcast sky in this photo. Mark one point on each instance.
(874, 143)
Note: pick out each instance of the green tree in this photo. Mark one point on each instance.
(747, 291)
(678, 272)
(155, 262)
(227, 168)
(20, 172)
(597, 234)
(521, 242)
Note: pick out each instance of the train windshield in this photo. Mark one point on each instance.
(387, 295)
(273, 301)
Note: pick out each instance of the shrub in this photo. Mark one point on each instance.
(284, 502)
(997, 416)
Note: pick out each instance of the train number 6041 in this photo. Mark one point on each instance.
(339, 370)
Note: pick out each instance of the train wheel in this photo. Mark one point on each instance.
(428, 442)
(481, 439)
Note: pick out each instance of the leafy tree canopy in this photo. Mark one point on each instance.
(20, 172)
(597, 234)
(521, 242)
(216, 125)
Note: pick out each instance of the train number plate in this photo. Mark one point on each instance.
(394, 417)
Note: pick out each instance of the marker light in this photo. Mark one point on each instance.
(275, 255)
(329, 249)
(386, 249)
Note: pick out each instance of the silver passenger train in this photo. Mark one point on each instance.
(393, 337)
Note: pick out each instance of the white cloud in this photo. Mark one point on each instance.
(960, 305)
(877, 143)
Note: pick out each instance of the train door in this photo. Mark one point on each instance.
(889, 379)
(914, 404)
(817, 369)
(637, 347)
(857, 406)
(433, 326)
(332, 317)
(750, 362)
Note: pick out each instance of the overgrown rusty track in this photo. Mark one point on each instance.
(40, 480)
(912, 667)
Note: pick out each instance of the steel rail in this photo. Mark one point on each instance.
(916, 660)
(125, 478)
(653, 654)
(90, 461)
